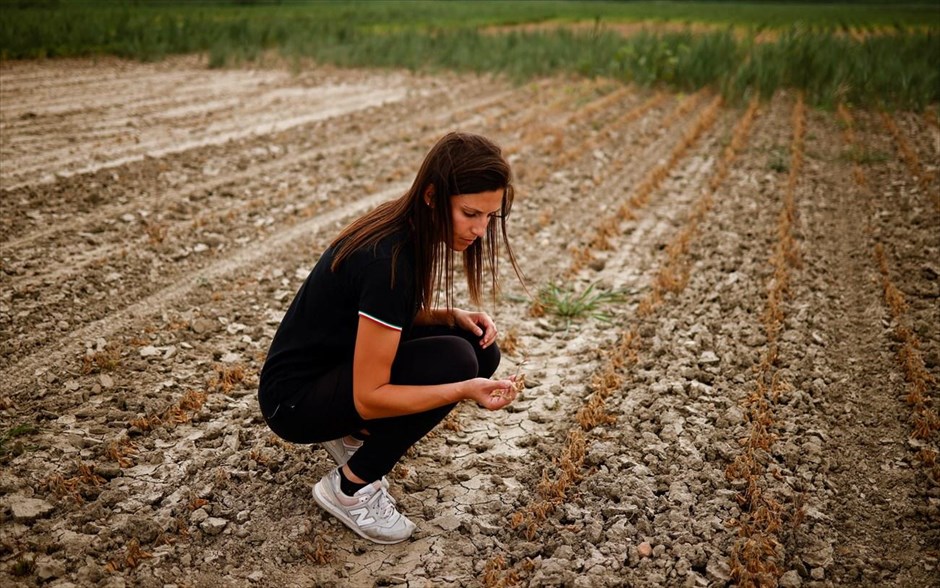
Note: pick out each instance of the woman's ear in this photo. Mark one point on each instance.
(429, 195)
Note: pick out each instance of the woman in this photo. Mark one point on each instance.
(363, 362)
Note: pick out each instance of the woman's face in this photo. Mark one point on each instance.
(471, 214)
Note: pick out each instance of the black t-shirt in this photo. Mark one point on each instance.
(318, 331)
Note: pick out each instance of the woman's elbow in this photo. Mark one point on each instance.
(365, 409)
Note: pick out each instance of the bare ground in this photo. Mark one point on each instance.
(157, 219)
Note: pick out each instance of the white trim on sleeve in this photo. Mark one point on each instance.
(381, 322)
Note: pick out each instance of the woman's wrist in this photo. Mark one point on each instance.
(459, 392)
(446, 317)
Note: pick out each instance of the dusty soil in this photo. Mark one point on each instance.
(158, 218)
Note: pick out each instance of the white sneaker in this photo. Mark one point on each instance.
(370, 512)
(341, 451)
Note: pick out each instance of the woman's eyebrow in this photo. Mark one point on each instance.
(471, 209)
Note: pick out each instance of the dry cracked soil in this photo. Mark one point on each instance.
(749, 380)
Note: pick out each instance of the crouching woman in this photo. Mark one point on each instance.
(365, 362)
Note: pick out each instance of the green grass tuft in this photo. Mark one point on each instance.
(567, 304)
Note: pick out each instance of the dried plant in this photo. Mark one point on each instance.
(227, 377)
(102, 360)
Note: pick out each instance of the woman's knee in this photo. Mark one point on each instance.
(435, 360)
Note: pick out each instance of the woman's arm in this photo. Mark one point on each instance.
(478, 323)
(375, 397)
(438, 317)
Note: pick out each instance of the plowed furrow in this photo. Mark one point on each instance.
(108, 194)
(184, 134)
(238, 221)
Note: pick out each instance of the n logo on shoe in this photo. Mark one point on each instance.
(362, 516)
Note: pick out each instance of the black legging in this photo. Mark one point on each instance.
(324, 409)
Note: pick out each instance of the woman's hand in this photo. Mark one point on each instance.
(490, 394)
(478, 323)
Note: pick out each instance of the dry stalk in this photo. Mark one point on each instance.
(318, 552)
(599, 104)
(684, 107)
(756, 554)
(104, 360)
(130, 559)
(567, 468)
(227, 377)
(919, 380)
(925, 420)
(641, 195)
(121, 451)
(509, 342)
(629, 117)
(923, 176)
(75, 486)
(535, 115)
(848, 136)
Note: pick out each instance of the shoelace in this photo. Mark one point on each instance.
(384, 503)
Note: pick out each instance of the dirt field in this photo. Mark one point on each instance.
(756, 408)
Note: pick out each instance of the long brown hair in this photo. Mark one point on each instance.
(459, 163)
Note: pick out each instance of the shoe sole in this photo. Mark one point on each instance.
(323, 501)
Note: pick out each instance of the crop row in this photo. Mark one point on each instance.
(567, 467)
(925, 421)
(757, 555)
(609, 226)
(922, 174)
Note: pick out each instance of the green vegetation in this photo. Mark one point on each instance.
(8, 449)
(866, 54)
(568, 304)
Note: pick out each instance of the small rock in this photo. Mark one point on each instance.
(89, 574)
(447, 522)
(149, 351)
(108, 471)
(818, 556)
(817, 573)
(28, 509)
(790, 579)
(114, 582)
(48, 568)
(213, 525)
(230, 357)
(644, 549)
(708, 358)
(198, 516)
(203, 325)
(106, 381)
(718, 570)
(256, 576)
(9, 483)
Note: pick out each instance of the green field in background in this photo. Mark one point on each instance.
(859, 52)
